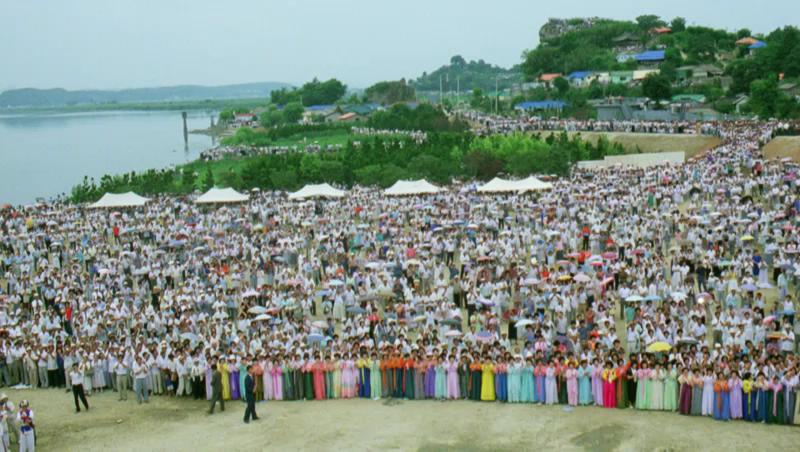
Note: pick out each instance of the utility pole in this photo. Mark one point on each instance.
(458, 89)
(441, 98)
(496, 95)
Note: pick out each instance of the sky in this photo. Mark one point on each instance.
(81, 44)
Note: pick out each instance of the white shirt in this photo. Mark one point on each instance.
(76, 377)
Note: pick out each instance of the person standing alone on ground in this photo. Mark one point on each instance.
(216, 389)
(250, 396)
(76, 380)
(27, 439)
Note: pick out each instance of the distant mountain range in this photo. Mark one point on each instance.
(58, 97)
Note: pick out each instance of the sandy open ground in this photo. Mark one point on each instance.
(181, 425)
(649, 142)
(781, 147)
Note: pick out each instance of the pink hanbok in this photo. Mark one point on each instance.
(276, 374)
(572, 386)
(452, 380)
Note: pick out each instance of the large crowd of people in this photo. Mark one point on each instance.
(665, 288)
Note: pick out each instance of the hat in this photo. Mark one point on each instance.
(3, 396)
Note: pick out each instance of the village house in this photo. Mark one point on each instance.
(697, 74)
(547, 79)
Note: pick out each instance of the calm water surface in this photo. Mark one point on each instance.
(44, 155)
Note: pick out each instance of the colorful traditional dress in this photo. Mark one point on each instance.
(671, 390)
(514, 382)
(487, 382)
(584, 386)
(571, 376)
(375, 379)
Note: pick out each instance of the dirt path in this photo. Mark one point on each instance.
(182, 425)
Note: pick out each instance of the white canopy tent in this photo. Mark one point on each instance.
(111, 200)
(411, 187)
(498, 185)
(317, 191)
(220, 196)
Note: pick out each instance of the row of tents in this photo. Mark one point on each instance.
(400, 188)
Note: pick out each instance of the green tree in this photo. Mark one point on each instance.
(293, 112)
(390, 92)
(208, 181)
(656, 87)
(678, 24)
(188, 180)
(764, 97)
(562, 86)
(649, 21)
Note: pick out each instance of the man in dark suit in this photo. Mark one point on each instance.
(250, 396)
(216, 389)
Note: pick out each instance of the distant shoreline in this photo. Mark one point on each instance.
(209, 104)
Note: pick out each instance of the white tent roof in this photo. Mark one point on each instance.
(498, 185)
(110, 200)
(315, 191)
(411, 187)
(221, 195)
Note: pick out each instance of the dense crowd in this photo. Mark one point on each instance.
(665, 288)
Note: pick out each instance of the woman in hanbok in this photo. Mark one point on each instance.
(515, 380)
(584, 384)
(748, 398)
(761, 387)
(463, 378)
(609, 386)
(451, 368)
(657, 388)
(633, 366)
(571, 375)
(386, 386)
(233, 376)
(775, 402)
(349, 376)
(685, 383)
(550, 385)
(308, 380)
(720, 396)
(501, 380)
(288, 381)
(597, 383)
(409, 369)
(226, 381)
(622, 384)
(330, 367)
(475, 380)
(671, 389)
(375, 377)
(209, 374)
(363, 377)
(642, 375)
(318, 369)
(277, 379)
(561, 381)
(735, 390)
(537, 391)
(440, 388)
(487, 380)
(419, 377)
(708, 393)
(99, 377)
(790, 382)
(266, 381)
(430, 378)
(242, 375)
(697, 393)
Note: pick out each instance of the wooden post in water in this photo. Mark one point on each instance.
(185, 132)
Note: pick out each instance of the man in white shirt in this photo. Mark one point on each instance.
(122, 378)
(140, 373)
(76, 380)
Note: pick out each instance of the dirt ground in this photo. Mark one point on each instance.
(781, 147)
(183, 425)
(647, 142)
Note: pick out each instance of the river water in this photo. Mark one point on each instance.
(44, 155)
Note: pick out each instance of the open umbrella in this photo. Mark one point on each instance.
(451, 322)
(315, 338)
(335, 283)
(530, 282)
(189, 336)
(484, 336)
(453, 333)
(635, 298)
(257, 310)
(261, 317)
(658, 347)
(749, 287)
(564, 278)
(747, 238)
(523, 322)
(768, 319)
(250, 293)
(356, 310)
(582, 278)
(320, 324)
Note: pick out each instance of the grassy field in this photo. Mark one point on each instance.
(781, 147)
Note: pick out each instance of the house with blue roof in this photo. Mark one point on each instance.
(541, 105)
(581, 78)
(650, 57)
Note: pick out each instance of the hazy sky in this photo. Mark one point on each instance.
(134, 43)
